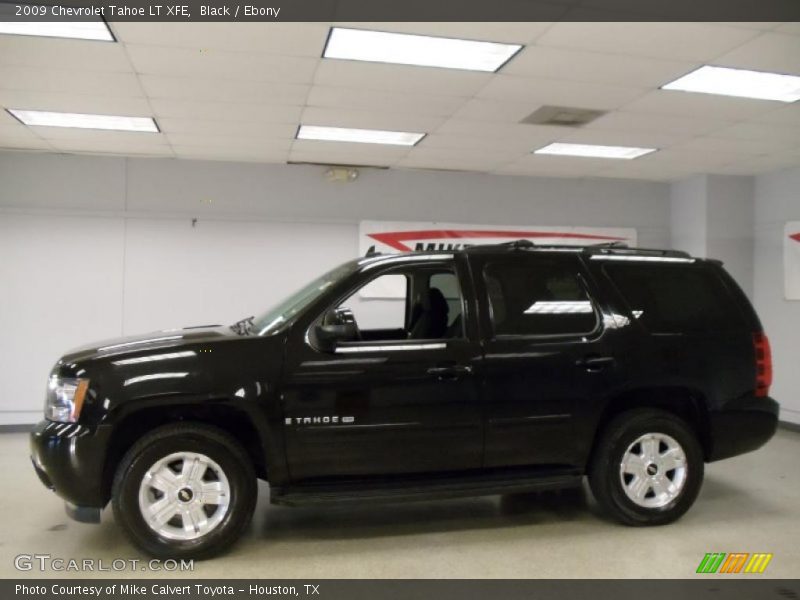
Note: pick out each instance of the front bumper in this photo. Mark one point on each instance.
(69, 459)
(743, 425)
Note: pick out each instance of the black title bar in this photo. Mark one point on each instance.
(401, 10)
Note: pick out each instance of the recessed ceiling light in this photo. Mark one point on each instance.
(594, 151)
(364, 136)
(419, 50)
(82, 30)
(37, 118)
(740, 83)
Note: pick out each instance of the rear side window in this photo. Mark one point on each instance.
(676, 298)
(538, 296)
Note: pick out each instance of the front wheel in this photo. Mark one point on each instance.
(184, 491)
(647, 468)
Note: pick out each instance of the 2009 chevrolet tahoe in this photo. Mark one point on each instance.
(494, 369)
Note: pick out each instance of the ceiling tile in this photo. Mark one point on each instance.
(714, 145)
(776, 133)
(289, 39)
(758, 165)
(785, 114)
(218, 90)
(114, 144)
(493, 110)
(399, 78)
(774, 52)
(677, 41)
(223, 111)
(455, 143)
(77, 103)
(554, 91)
(688, 104)
(624, 121)
(56, 53)
(499, 130)
(353, 99)
(610, 69)
(211, 63)
(230, 154)
(792, 28)
(228, 143)
(552, 166)
(640, 139)
(245, 129)
(69, 81)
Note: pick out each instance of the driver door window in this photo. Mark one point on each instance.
(416, 304)
(381, 318)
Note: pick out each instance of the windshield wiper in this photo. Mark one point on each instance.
(244, 326)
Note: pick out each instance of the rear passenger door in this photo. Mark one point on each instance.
(546, 356)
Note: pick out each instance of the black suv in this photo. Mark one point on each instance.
(485, 370)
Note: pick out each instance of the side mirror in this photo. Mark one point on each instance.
(335, 327)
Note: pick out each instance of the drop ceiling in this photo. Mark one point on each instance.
(238, 91)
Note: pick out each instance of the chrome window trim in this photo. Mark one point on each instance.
(390, 347)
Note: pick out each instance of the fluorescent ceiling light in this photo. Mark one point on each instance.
(420, 50)
(364, 136)
(36, 118)
(82, 30)
(594, 151)
(740, 83)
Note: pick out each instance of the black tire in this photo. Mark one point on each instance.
(217, 445)
(606, 480)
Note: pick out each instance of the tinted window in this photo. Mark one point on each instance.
(675, 299)
(538, 296)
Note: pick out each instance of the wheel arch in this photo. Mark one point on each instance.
(683, 402)
(220, 414)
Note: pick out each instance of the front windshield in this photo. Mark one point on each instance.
(277, 316)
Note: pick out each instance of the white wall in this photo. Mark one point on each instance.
(712, 216)
(96, 247)
(777, 200)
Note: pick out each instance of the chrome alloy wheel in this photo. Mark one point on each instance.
(184, 496)
(653, 470)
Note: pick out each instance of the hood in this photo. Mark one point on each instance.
(157, 340)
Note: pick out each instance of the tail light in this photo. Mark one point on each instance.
(763, 354)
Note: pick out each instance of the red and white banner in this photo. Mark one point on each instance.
(405, 236)
(791, 259)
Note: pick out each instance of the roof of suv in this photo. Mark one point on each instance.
(608, 250)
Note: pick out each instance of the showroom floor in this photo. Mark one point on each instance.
(754, 498)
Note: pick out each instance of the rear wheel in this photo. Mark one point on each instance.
(647, 468)
(184, 491)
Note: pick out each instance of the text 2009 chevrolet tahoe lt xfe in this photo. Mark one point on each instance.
(494, 369)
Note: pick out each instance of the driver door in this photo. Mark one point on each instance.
(387, 404)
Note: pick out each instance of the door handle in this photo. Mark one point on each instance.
(452, 372)
(594, 364)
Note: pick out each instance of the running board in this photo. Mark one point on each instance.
(411, 491)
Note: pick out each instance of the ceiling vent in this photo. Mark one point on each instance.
(564, 116)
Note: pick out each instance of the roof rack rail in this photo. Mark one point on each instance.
(625, 250)
(614, 244)
(518, 244)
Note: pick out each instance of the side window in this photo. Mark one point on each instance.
(388, 313)
(447, 283)
(538, 296)
(418, 303)
(675, 299)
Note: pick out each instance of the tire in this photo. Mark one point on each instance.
(191, 471)
(630, 474)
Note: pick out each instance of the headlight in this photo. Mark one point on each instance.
(65, 399)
